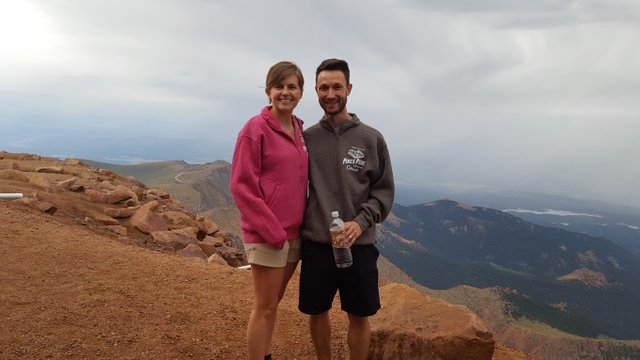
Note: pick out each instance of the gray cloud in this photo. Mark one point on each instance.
(490, 93)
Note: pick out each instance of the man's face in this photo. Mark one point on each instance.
(332, 90)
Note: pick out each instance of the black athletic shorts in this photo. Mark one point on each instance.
(320, 279)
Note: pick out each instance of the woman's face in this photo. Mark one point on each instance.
(285, 95)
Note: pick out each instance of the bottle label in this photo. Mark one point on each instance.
(337, 239)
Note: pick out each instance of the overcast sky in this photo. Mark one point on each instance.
(541, 95)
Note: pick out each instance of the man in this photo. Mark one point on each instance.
(349, 172)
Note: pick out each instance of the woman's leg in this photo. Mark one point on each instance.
(267, 283)
(289, 269)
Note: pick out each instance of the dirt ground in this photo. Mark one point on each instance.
(69, 293)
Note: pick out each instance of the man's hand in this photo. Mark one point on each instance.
(351, 232)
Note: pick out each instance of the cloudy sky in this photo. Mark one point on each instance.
(540, 95)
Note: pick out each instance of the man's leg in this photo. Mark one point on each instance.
(359, 337)
(321, 335)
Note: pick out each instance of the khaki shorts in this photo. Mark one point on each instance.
(267, 255)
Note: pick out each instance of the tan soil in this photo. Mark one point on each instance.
(70, 292)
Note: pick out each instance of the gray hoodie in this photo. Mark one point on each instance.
(349, 172)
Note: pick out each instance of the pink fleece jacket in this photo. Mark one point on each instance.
(269, 173)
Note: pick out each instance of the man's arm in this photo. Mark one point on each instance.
(381, 194)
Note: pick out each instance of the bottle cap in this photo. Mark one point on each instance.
(335, 214)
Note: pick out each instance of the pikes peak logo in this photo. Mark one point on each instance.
(356, 162)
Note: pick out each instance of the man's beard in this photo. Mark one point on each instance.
(341, 106)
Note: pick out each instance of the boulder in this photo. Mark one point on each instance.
(49, 169)
(170, 239)
(209, 226)
(70, 185)
(73, 162)
(179, 219)
(192, 250)
(216, 241)
(147, 220)
(172, 205)
(191, 232)
(116, 229)
(231, 255)
(66, 184)
(43, 206)
(104, 219)
(158, 193)
(13, 175)
(209, 245)
(119, 194)
(120, 213)
(413, 325)
(41, 182)
(216, 259)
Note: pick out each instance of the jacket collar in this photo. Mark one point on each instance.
(346, 125)
(273, 123)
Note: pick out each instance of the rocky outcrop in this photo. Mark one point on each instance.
(587, 277)
(121, 206)
(412, 325)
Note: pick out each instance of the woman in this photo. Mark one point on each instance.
(269, 183)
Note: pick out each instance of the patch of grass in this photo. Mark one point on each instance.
(544, 329)
(184, 193)
(523, 307)
(509, 270)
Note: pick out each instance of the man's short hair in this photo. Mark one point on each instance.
(334, 64)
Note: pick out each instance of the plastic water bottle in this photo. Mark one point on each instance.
(341, 254)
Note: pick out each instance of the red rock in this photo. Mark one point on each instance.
(43, 206)
(73, 162)
(120, 213)
(49, 169)
(233, 256)
(13, 175)
(209, 226)
(41, 182)
(192, 250)
(147, 221)
(191, 232)
(209, 245)
(413, 325)
(173, 240)
(117, 229)
(179, 219)
(216, 259)
(119, 194)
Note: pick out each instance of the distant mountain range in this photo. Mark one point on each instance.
(578, 283)
(618, 223)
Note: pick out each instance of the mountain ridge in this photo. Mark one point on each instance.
(487, 248)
